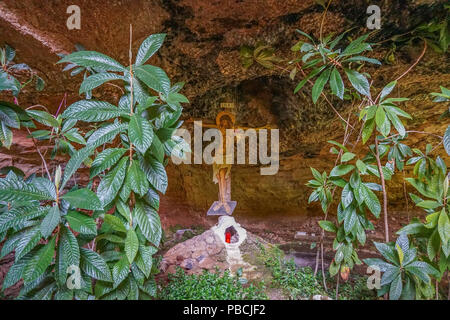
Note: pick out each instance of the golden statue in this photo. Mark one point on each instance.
(222, 162)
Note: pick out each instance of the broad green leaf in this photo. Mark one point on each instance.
(341, 170)
(105, 134)
(154, 77)
(444, 226)
(69, 253)
(144, 259)
(115, 222)
(9, 117)
(50, 221)
(375, 262)
(131, 245)
(369, 125)
(361, 166)
(422, 270)
(148, 47)
(395, 110)
(340, 145)
(380, 119)
(92, 111)
(140, 132)
(152, 198)
(336, 84)
(43, 117)
(112, 182)
(347, 156)
(16, 217)
(106, 160)
(93, 59)
(396, 288)
(81, 223)
(94, 265)
(350, 220)
(6, 135)
(74, 136)
(74, 163)
(149, 222)
(387, 90)
(141, 94)
(428, 204)
(155, 172)
(120, 271)
(123, 209)
(398, 124)
(347, 196)
(110, 238)
(446, 140)
(15, 272)
(40, 261)
(387, 252)
(361, 59)
(304, 34)
(400, 254)
(328, 226)
(371, 200)
(137, 179)
(83, 199)
(157, 149)
(27, 241)
(358, 81)
(309, 76)
(16, 190)
(98, 79)
(320, 84)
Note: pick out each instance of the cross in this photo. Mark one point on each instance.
(222, 169)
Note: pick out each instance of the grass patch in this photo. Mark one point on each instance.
(300, 283)
(209, 286)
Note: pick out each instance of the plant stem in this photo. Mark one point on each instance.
(337, 286)
(40, 154)
(383, 187)
(131, 88)
(323, 20)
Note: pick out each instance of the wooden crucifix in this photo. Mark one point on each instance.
(222, 163)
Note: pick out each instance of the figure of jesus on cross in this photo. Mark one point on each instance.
(223, 161)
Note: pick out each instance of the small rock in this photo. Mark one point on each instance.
(300, 234)
(200, 258)
(187, 264)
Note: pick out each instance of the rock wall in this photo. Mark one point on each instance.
(202, 49)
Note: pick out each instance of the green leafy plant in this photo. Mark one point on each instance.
(262, 54)
(444, 96)
(11, 115)
(327, 64)
(403, 274)
(435, 32)
(40, 223)
(126, 151)
(432, 235)
(209, 286)
(9, 69)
